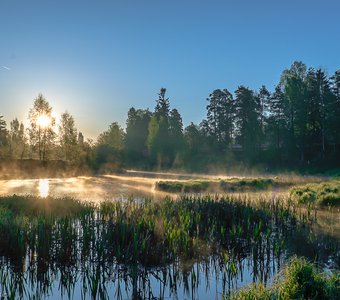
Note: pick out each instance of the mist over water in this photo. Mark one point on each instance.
(83, 188)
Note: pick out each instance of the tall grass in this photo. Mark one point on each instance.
(50, 238)
(226, 185)
(299, 279)
(321, 194)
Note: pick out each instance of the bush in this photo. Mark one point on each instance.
(300, 279)
(322, 194)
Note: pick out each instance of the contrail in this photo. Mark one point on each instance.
(7, 68)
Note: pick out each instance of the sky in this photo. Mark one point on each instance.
(96, 59)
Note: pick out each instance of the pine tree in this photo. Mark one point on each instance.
(176, 138)
(247, 121)
(293, 82)
(264, 99)
(276, 128)
(162, 108)
(220, 117)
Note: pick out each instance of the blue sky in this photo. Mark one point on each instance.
(96, 59)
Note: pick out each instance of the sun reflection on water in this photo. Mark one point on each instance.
(43, 188)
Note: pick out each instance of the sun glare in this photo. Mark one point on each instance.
(43, 188)
(43, 121)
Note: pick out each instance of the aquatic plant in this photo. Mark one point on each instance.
(299, 279)
(321, 194)
(224, 185)
(46, 238)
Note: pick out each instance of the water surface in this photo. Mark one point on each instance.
(206, 277)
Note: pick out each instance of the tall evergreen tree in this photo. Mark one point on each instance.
(220, 117)
(176, 138)
(264, 99)
(136, 135)
(192, 139)
(162, 108)
(332, 120)
(318, 98)
(293, 82)
(158, 134)
(276, 128)
(247, 123)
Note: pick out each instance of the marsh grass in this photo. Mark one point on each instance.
(320, 194)
(48, 237)
(299, 279)
(35, 206)
(235, 184)
(158, 232)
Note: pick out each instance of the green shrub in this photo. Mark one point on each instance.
(300, 279)
(322, 194)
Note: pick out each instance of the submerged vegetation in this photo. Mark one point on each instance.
(42, 239)
(300, 279)
(321, 194)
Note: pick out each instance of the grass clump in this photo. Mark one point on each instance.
(248, 184)
(300, 279)
(321, 194)
(252, 292)
(189, 186)
(303, 280)
(220, 185)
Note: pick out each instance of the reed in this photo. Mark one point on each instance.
(46, 238)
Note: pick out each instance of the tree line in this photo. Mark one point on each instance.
(43, 139)
(296, 124)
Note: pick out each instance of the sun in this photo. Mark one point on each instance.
(43, 121)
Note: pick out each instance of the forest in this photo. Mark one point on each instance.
(295, 126)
